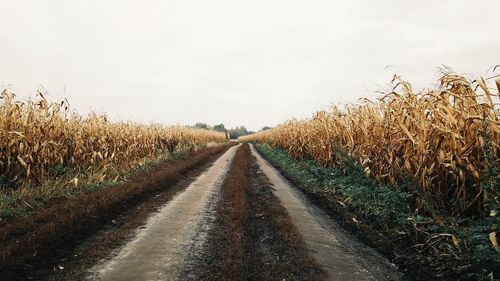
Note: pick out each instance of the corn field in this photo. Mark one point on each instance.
(445, 140)
(38, 137)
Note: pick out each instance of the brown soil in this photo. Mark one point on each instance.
(60, 241)
(253, 237)
(159, 249)
(396, 249)
(342, 255)
(275, 246)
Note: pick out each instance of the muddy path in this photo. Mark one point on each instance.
(62, 240)
(341, 254)
(253, 237)
(232, 218)
(159, 249)
(226, 225)
(240, 220)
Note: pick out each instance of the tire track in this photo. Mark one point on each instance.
(252, 236)
(159, 249)
(340, 254)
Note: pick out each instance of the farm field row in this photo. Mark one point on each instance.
(215, 216)
(402, 188)
(417, 170)
(48, 151)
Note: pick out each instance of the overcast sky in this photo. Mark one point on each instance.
(252, 63)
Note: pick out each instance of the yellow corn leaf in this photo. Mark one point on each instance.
(493, 239)
(456, 242)
(21, 161)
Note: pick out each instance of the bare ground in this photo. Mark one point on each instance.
(49, 243)
(341, 254)
(235, 219)
(253, 237)
(158, 250)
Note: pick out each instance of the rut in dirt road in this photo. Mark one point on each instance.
(341, 254)
(253, 237)
(240, 220)
(159, 248)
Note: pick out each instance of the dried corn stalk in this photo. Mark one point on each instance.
(39, 138)
(436, 137)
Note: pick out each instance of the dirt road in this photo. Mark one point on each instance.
(341, 254)
(170, 244)
(159, 249)
(222, 214)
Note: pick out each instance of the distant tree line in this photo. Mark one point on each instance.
(232, 133)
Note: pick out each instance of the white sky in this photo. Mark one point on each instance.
(252, 63)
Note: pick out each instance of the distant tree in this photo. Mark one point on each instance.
(220, 128)
(265, 128)
(234, 133)
(201, 125)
